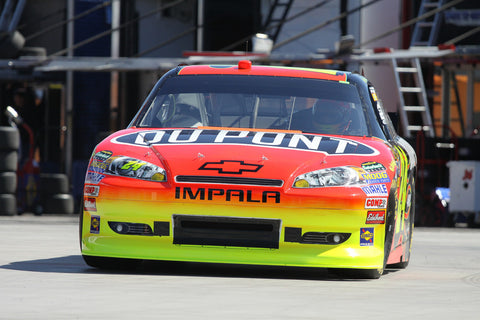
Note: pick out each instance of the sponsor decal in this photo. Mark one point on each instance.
(375, 190)
(297, 141)
(231, 167)
(376, 203)
(381, 112)
(94, 177)
(101, 161)
(90, 204)
(372, 166)
(98, 166)
(234, 195)
(95, 224)
(408, 203)
(373, 93)
(91, 191)
(366, 237)
(375, 217)
(103, 155)
(393, 165)
(468, 174)
(376, 177)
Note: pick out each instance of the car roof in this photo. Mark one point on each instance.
(246, 68)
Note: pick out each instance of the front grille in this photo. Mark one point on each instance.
(226, 231)
(230, 180)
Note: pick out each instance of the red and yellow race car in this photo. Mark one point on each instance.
(256, 165)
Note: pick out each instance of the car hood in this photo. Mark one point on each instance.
(244, 153)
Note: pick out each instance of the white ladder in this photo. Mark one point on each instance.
(415, 116)
(426, 31)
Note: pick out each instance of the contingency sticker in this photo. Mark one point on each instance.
(375, 217)
(376, 177)
(375, 203)
(91, 191)
(373, 166)
(366, 237)
(95, 225)
(103, 155)
(94, 177)
(375, 190)
(90, 204)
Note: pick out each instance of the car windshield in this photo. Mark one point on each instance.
(236, 101)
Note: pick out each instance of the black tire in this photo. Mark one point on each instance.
(111, 263)
(8, 205)
(53, 183)
(80, 226)
(33, 52)
(471, 221)
(389, 227)
(8, 161)
(9, 138)
(59, 204)
(8, 182)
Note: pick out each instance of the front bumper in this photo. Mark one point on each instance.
(260, 234)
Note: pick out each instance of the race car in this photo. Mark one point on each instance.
(253, 165)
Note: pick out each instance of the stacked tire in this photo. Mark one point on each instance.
(9, 146)
(54, 194)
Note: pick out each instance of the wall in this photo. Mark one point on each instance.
(379, 18)
(159, 28)
(324, 38)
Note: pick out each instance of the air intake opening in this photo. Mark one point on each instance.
(226, 231)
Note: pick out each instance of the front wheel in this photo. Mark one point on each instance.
(389, 230)
(410, 218)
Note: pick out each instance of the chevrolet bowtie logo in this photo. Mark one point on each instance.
(231, 166)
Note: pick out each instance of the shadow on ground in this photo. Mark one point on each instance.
(76, 264)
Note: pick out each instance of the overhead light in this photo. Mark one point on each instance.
(261, 43)
(261, 36)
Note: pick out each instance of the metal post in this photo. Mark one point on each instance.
(115, 53)
(16, 16)
(6, 15)
(68, 127)
(200, 16)
(470, 100)
(445, 102)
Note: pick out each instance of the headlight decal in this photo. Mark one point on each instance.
(330, 177)
(134, 168)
